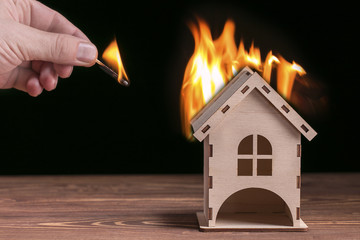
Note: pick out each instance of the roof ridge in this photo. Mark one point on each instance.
(233, 93)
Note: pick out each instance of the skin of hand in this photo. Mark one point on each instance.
(38, 45)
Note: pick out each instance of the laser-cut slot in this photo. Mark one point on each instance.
(224, 110)
(245, 89)
(298, 182)
(210, 150)
(210, 182)
(298, 150)
(285, 108)
(204, 130)
(210, 213)
(297, 213)
(265, 89)
(304, 128)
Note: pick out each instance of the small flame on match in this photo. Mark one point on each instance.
(112, 57)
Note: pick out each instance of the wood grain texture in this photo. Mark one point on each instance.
(234, 164)
(156, 207)
(234, 93)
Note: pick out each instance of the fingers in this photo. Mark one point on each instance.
(47, 39)
(44, 18)
(28, 81)
(43, 76)
(46, 73)
(64, 71)
(32, 82)
(48, 77)
(49, 73)
(34, 44)
(33, 87)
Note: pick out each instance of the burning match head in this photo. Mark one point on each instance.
(125, 82)
(122, 81)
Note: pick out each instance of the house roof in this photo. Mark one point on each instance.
(233, 93)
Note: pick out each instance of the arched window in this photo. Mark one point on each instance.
(255, 156)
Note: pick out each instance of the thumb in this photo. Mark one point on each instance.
(56, 48)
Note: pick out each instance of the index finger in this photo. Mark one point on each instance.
(46, 19)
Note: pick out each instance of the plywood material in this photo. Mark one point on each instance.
(249, 222)
(146, 207)
(257, 136)
(238, 140)
(219, 100)
(235, 92)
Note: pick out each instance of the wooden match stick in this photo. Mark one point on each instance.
(113, 74)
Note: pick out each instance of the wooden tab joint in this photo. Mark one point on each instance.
(205, 129)
(285, 109)
(224, 110)
(244, 90)
(210, 214)
(265, 89)
(298, 182)
(297, 213)
(303, 127)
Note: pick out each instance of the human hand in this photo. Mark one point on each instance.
(38, 45)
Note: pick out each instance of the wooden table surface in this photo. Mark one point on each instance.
(156, 207)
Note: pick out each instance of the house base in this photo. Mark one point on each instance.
(250, 223)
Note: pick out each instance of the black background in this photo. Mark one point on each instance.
(91, 124)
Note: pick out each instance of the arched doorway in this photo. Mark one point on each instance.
(254, 207)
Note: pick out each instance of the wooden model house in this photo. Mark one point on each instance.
(252, 152)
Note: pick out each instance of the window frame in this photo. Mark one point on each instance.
(261, 154)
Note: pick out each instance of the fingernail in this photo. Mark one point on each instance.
(86, 52)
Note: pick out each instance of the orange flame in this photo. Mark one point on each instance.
(215, 62)
(286, 73)
(112, 57)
